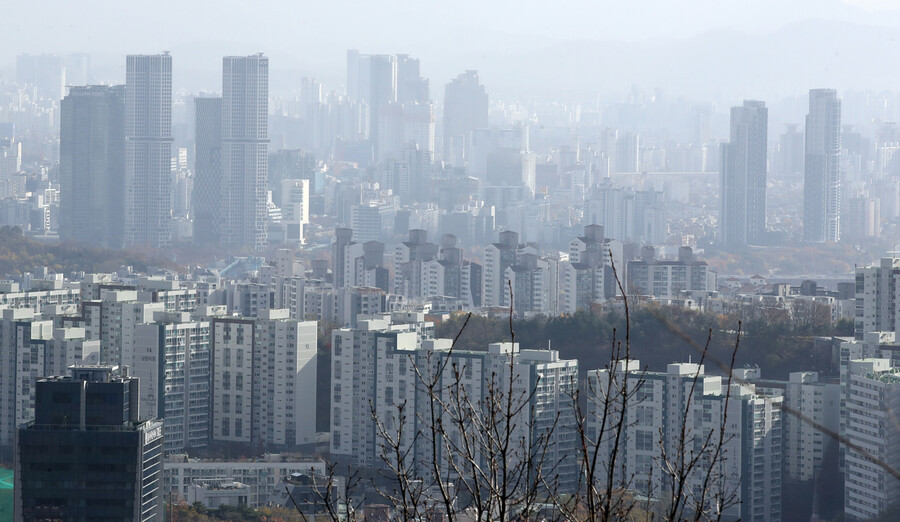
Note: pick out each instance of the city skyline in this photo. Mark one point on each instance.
(506, 260)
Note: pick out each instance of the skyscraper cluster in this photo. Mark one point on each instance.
(117, 163)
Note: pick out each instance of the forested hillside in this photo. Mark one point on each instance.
(19, 254)
(777, 343)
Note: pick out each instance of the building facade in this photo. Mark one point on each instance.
(148, 150)
(92, 165)
(822, 168)
(742, 220)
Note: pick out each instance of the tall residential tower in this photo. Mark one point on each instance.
(743, 183)
(245, 141)
(148, 150)
(822, 170)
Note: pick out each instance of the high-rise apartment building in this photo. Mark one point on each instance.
(465, 109)
(742, 219)
(876, 295)
(87, 455)
(284, 380)
(264, 380)
(148, 150)
(804, 446)
(206, 205)
(872, 396)
(683, 409)
(172, 359)
(31, 348)
(92, 165)
(354, 381)
(245, 140)
(822, 168)
(666, 279)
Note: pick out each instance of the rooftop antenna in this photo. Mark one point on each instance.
(548, 345)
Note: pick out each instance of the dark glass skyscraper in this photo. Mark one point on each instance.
(87, 457)
(742, 220)
(92, 165)
(822, 168)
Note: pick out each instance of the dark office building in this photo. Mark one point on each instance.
(86, 456)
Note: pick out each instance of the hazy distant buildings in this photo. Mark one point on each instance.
(465, 109)
(628, 215)
(742, 220)
(822, 168)
(45, 72)
(207, 169)
(666, 279)
(245, 139)
(789, 157)
(397, 97)
(92, 165)
(148, 150)
(628, 152)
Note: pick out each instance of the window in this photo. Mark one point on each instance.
(643, 440)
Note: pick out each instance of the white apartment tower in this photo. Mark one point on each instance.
(822, 168)
(876, 291)
(148, 150)
(245, 141)
(872, 398)
(661, 403)
(264, 380)
(354, 382)
(284, 379)
(171, 358)
(30, 348)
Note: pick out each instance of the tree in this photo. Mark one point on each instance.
(479, 446)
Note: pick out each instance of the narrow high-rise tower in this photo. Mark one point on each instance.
(245, 140)
(207, 169)
(465, 109)
(92, 165)
(148, 150)
(822, 169)
(742, 220)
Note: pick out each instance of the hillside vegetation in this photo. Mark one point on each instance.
(20, 254)
(778, 344)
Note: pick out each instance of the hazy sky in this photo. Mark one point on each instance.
(312, 37)
(110, 25)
